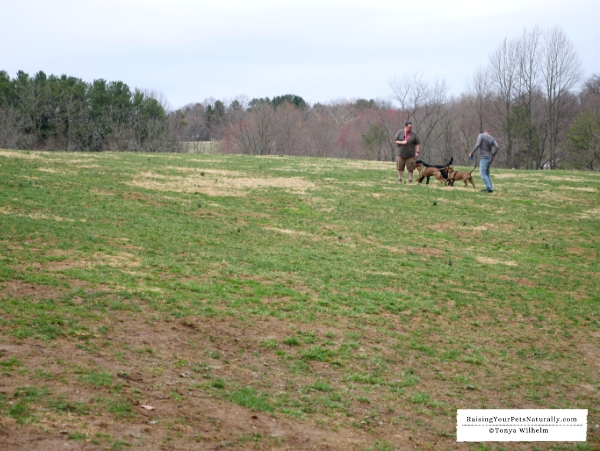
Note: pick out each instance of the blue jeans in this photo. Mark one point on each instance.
(484, 170)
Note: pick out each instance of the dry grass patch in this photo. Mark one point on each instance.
(19, 154)
(88, 166)
(7, 211)
(523, 282)
(378, 165)
(493, 261)
(285, 231)
(586, 189)
(508, 175)
(428, 251)
(122, 260)
(219, 172)
(555, 178)
(225, 185)
(589, 213)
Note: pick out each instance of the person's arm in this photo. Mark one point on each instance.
(477, 145)
(497, 147)
(417, 150)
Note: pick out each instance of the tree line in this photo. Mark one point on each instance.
(66, 113)
(529, 94)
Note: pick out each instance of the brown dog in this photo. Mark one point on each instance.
(461, 175)
(427, 171)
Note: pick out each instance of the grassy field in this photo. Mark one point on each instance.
(234, 302)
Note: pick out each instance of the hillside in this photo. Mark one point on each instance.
(177, 301)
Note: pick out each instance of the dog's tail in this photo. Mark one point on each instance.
(450, 162)
(473, 168)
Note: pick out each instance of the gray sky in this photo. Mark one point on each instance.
(321, 50)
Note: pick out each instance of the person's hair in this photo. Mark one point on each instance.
(407, 123)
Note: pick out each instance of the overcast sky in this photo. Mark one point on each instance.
(322, 50)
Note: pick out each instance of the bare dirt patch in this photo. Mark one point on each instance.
(186, 412)
(18, 290)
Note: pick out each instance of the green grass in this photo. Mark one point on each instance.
(248, 397)
(321, 287)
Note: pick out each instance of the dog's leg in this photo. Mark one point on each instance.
(442, 180)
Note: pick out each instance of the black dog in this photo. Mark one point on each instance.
(441, 167)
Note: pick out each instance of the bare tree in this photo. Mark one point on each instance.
(288, 131)
(390, 120)
(503, 72)
(561, 71)
(526, 92)
(323, 130)
(478, 91)
(252, 135)
(421, 102)
(411, 92)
